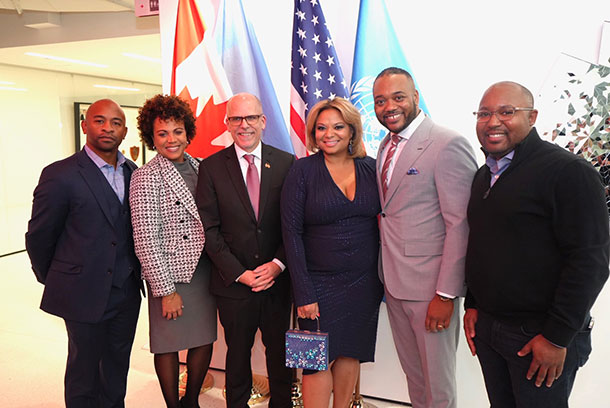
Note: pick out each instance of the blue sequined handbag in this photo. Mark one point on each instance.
(307, 349)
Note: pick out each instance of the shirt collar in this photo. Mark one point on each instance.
(501, 162)
(99, 162)
(257, 152)
(407, 132)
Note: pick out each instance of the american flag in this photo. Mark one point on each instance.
(316, 73)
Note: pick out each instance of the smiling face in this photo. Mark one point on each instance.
(245, 135)
(332, 133)
(499, 138)
(169, 138)
(104, 126)
(396, 101)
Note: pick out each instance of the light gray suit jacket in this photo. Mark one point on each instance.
(423, 225)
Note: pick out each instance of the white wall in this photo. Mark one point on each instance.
(36, 129)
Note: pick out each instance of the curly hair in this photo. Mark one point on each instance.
(350, 115)
(164, 107)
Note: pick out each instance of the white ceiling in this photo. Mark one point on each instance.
(107, 51)
(67, 6)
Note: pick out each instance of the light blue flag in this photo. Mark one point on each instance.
(246, 70)
(377, 48)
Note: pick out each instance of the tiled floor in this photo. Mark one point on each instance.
(33, 346)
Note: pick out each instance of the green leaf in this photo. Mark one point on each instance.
(603, 71)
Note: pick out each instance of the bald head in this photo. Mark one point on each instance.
(244, 97)
(245, 120)
(513, 87)
(500, 137)
(105, 128)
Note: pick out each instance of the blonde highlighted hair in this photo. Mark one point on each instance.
(350, 116)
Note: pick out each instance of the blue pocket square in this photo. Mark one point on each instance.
(412, 171)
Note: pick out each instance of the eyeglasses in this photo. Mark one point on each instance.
(250, 119)
(503, 114)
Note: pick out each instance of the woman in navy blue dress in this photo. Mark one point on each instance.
(329, 220)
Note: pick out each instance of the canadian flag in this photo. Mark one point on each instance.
(197, 75)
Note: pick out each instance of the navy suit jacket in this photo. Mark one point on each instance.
(71, 238)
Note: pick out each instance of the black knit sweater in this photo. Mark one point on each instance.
(538, 245)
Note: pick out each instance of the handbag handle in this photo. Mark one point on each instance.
(317, 321)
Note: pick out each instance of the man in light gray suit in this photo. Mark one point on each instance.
(424, 173)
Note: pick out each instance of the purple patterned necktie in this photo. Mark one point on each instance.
(386, 164)
(252, 183)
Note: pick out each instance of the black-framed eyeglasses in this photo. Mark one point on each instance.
(250, 119)
(503, 114)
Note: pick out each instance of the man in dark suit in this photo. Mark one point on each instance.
(80, 244)
(238, 196)
(537, 256)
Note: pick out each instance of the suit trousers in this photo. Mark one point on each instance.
(497, 344)
(240, 318)
(428, 359)
(98, 353)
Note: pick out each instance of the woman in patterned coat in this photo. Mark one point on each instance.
(169, 240)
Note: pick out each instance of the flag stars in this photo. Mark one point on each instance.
(331, 79)
(314, 3)
(303, 87)
(317, 75)
(301, 15)
(318, 93)
(316, 39)
(344, 83)
(329, 42)
(303, 70)
(330, 60)
(303, 52)
(332, 96)
(315, 21)
(301, 33)
(316, 57)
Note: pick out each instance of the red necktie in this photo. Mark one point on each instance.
(386, 164)
(252, 183)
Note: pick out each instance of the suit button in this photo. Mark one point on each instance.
(178, 202)
(260, 231)
(113, 243)
(383, 215)
(255, 256)
(185, 237)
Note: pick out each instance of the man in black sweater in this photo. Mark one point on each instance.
(537, 256)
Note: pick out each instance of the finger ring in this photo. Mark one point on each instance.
(440, 326)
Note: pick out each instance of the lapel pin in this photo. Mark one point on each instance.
(412, 171)
(267, 165)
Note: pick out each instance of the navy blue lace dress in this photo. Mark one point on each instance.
(332, 246)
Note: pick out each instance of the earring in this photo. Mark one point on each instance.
(154, 147)
(350, 147)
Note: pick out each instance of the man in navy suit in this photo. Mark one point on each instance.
(80, 244)
(238, 196)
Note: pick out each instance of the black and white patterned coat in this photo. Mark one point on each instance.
(167, 231)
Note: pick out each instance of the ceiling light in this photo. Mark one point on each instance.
(10, 88)
(73, 61)
(142, 57)
(120, 88)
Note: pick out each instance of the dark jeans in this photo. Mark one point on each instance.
(505, 372)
